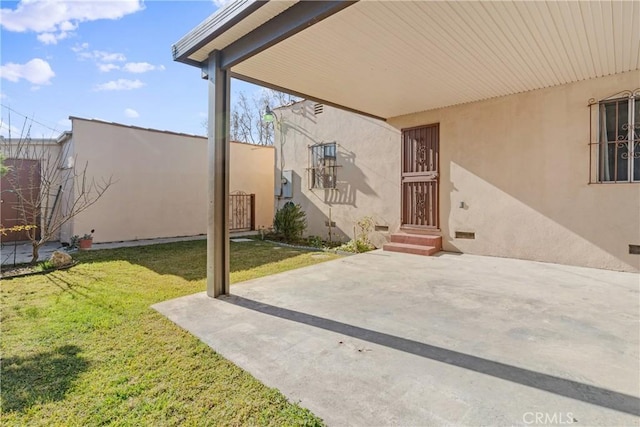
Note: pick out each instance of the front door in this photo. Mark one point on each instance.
(420, 176)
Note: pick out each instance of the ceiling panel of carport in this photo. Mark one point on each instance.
(395, 58)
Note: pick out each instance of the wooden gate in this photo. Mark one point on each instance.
(420, 176)
(242, 211)
(22, 182)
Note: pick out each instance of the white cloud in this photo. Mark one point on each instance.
(68, 26)
(80, 47)
(120, 84)
(141, 67)
(66, 30)
(83, 52)
(51, 38)
(105, 68)
(221, 3)
(103, 60)
(131, 113)
(102, 56)
(36, 71)
(55, 20)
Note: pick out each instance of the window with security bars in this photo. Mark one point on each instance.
(618, 142)
(323, 165)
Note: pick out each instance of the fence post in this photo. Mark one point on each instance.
(253, 212)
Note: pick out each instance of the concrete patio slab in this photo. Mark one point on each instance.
(394, 339)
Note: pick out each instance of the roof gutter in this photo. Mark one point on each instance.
(64, 136)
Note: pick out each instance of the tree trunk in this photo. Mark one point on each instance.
(34, 253)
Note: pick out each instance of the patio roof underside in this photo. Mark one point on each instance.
(389, 59)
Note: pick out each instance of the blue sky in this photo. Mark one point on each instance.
(109, 60)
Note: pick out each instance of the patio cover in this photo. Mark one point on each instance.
(387, 59)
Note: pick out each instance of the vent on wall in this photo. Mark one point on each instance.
(634, 249)
(465, 235)
(318, 109)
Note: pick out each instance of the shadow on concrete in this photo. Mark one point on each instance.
(40, 378)
(552, 384)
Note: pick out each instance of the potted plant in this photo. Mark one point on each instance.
(86, 241)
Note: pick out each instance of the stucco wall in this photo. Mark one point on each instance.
(368, 179)
(251, 171)
(520, 164)
(160, 181)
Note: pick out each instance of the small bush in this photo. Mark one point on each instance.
(315, 242)
(361, 243)
(46, 265)
(355, 246)
(290, 222)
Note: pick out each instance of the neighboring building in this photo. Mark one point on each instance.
(159, 182)
(548, 175)
(33, 164)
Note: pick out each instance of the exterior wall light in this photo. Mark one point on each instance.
(269, 116)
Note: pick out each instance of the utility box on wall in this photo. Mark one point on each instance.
(287, 184)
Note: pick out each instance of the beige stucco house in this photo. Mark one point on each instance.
(517, 176)
(159, 182)
(517, 121)
(366, 169)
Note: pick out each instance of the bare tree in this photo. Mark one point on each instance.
(51, 173)
(246, 124)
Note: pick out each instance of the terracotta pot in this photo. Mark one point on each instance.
(85, 243)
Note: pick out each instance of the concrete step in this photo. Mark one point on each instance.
(410, 229)
(417, 239)
(408, 248)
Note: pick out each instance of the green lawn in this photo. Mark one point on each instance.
(82, 346)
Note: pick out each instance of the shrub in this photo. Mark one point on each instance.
(290, 222)
(361, 243)
(355, 246)
(315, 241)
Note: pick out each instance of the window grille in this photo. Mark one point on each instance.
(323, 165)
(617, 142)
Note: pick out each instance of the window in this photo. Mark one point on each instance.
(322, 165)
(618, 139)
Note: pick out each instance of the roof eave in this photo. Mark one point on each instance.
(212, 27)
